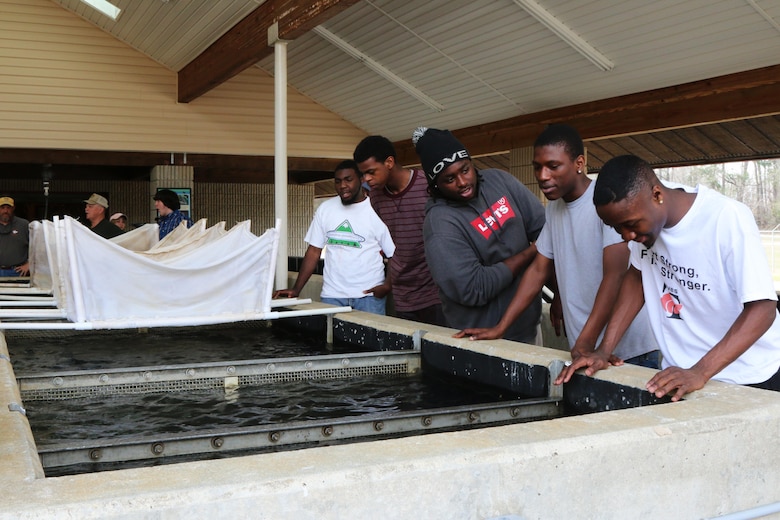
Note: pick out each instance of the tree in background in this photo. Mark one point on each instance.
(754, 183)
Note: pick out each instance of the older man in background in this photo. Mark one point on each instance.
(97, 211)
(14, 241)
(119, 220)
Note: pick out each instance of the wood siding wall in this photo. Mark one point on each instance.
(66, 84)
(238, 202)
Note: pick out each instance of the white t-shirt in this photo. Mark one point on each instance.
(575, 237)
(696, 278)
(353, 236)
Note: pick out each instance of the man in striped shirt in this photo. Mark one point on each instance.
(398, 195)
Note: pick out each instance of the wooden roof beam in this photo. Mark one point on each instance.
(741, 95)
(247, 42)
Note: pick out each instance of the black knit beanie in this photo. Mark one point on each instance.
(437, 150)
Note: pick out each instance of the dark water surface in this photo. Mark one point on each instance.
(146, 415)
(94, 350)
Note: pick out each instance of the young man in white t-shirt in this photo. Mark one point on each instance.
(698, 265)
(588, 258)
(355, 240)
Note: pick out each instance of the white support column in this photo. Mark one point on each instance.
(280, 149)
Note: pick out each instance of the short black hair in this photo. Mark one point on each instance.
(560, 134)
(376, 146)
(169, 198)
(348, 164)
(621, 178)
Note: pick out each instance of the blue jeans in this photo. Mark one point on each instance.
(649, 359)
(368, 303)
(8, 272)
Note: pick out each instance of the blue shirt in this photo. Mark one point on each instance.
(169, 222)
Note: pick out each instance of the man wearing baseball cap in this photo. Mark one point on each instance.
(96, 211)
(14, 240)
(119, 220)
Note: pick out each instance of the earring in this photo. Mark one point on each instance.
(660, 201)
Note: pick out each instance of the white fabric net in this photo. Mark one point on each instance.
(194, 276)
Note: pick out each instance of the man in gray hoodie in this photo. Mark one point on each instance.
(479, 231)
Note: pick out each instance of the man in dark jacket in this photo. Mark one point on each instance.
(14, 240)
(479, 231)
(97, 217)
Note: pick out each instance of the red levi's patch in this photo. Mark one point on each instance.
(492, 219)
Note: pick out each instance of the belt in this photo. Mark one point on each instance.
(11, 266)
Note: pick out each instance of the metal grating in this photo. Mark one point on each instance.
(58, 394)
(327, 374)
(179, 378)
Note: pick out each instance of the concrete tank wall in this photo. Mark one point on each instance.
(714, 453)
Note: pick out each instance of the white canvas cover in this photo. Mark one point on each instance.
(212, 276)
(186, 240)
(40, 272)
(139, 239)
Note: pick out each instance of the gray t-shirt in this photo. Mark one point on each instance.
(574, 237)
(14, 242)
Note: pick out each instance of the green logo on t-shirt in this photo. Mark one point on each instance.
(344, 236)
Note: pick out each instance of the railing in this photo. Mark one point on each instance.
(771, 241)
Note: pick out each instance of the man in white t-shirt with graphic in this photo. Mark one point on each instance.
(698, 265)
(356, 242)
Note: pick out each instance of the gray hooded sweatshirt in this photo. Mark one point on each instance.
(466, 243)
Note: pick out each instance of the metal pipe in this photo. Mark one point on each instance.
(22, 291)
(284, 302)
(33, 313)
(168, 322)
(307, 312)
(75, 277)
(280, 151)
(252, 372)
(26, 325)
(25, 299)
(56, 254)
(267, 301)
(49, 302)
(756, 512)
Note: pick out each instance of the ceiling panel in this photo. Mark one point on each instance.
(172, 32)
(703, 144)
(488, 60)
(479, 59)
(675, 140)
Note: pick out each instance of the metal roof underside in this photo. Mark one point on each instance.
(388, 66)
(743, 140)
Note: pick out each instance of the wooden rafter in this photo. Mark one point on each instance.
(247, 42)
(734, 96)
